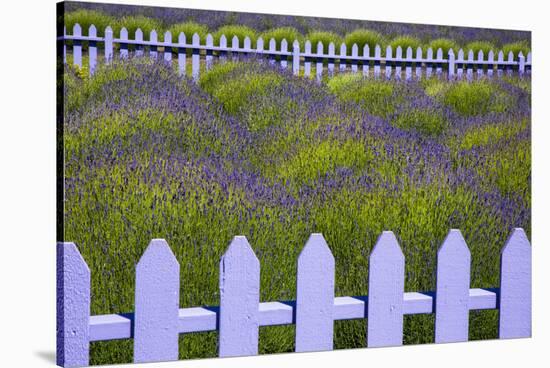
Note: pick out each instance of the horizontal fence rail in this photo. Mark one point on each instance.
(388, 63)
(157, 320)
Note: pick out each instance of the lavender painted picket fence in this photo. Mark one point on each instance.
(398, 63)
(157, 320)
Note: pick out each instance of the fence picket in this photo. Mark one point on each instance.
(515, 287)
(73, 307)
(307, 59)
(521, 67)
(123, 45)
(528, 63)
(284, 58)
(331, 53)
(451, 64)
(156, 304)
(153, 50)
(366, 62)
(377, 56)
(439, 64)
(139, 38)
(209, 53)
(398, 61)
(452, 290)
(315, 296)
(385, 298)
(296, 58)
(509, 68)
(77, 46)
(319, 62)
(239, 300)
(355, 55)
(429, 62)
(343, 62)
(491, 65)
(182, 54)
(64, 46)
(260, 45)
(167, 49)
(460, 64)
(480, 58)
(223, 45)
(92, 49)
(408, 64)
(247, 45)
(196, 57)
(389, 60)
(418, 63)
(234, 46)
(470, 65)
(500, 66)
(272, 50)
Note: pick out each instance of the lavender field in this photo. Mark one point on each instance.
(253, 150)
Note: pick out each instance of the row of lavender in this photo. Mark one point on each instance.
(157, 321)
(407, 61)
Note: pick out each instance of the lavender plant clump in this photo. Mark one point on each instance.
(252, 150)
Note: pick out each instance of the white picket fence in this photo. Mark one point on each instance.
(157, 320)
(406, 64)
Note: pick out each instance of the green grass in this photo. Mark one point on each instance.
(405, 42)
(477, 46)
(189, 29)
(231, 31)
(427, 122)
(86, 18)
(290, 34)
(146, 24)
(445, 44)
(325, 37)
(516, 48)
(477, 98)
(361, 37)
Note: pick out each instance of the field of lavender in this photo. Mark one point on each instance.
(253, 150)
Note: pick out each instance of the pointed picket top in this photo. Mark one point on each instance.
(320, 48)
(430, 54)
(452, 291)
(156, 304)
(471, 55)
(520, 54)
(386, 287)
(451, 52)
(196, 39)
(223, 41)
(247, 43)
(501, 55)
(515, 287)
(528, 59)
(377, 51)
(510, 56)
(260, 44)
(491, 55)
(123, 33)
(239, 300)
(355, 50)
(480, 55)
(77, 46)
(139, 34)
(167, 36)
(331, 49)
(284, 44)
(181, 38)
(92, 49)
(92, 31)
(153, 36)
(398, 52)
(389, 52)
(108, 44)
(272, 44)
(409, 53)
(419, 52)
(235, 42)
(167, 49)
(73, 307)
(460, 54)
(366, 50)
(77, 30)
(343, 49)
(209, 40)
(307, 47)
(315, 296)
(439, 54)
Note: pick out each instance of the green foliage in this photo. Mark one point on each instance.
(86, 18)
(405, 42)
(516, 48)
(278, 34)
(362, 37)
(477, 98)
(146, 24)
(491, 134)
(476, 46)
(189, 29)
(430, 123)
(231, 31)
(445, 44)
(376, 96)
(325, 37)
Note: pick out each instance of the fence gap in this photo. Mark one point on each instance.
(452, 290)
(156, 304)
(315, 296)
(239, 300)
(515, 287)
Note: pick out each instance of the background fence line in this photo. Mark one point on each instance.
(454, 66)
(157, 320)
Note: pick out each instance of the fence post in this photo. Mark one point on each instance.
(343, 62)
(296, 57)
(123, 45)
(521, 69)
(92, 49)
(385, 298)
(209, 53)
(196, 58)
(284, 58)
(452, 290)
(331, 53)
(156, 304)
(181, 54)
(515, 287)
(239, 300)
(73, 307)
(451, 64)
(77, 46)
(319, 64)
(167, 46)
(315, 296)
(307, 59)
